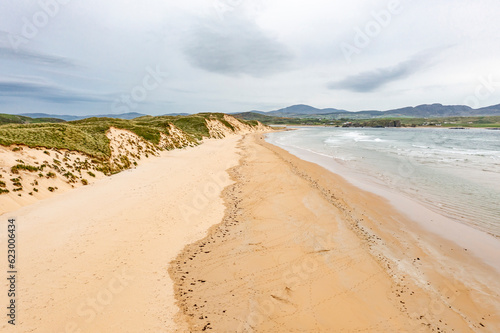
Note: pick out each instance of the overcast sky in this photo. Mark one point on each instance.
(165, 56)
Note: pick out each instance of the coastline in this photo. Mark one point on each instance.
(482, 243)
(417, 127)
(95, 259)
(301, 249)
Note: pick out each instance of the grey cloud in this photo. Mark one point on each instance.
(45, 92)
(34, 57)
(235, 46)
(372, 80)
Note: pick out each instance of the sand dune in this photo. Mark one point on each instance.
(95, 259)
(29, 174)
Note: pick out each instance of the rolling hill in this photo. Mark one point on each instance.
(422, 111)
(17, 119)
(130, 115)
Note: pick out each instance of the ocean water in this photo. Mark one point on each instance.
(456, 173)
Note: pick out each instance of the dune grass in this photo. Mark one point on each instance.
(15, 119)
(89, 135)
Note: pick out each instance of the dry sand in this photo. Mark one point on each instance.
(95, 259)
(60, 170)
(301, 250)
(34, 186)
(298, 250)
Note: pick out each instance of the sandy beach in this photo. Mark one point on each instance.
(95, 259)
(237, 235)
(235, 166)
(301, 250)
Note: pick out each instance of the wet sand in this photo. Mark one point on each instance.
(302, 250)
(298, 250)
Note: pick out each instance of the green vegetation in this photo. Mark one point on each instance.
(15, 119)
(195, 126)
(479, 121)
(250, 122)
(89, 135)
(60, 136)
(15, 169)
(254, 117)
(85, 181)
(71, 177)
(2, 184)
(17, 183)
(490, 121)
(373, 123)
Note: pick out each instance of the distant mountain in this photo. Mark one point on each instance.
(175, 114)
(252, 115)
(46, 115)
(421, 111)
(434, 110)
(130, 115)
(494, 109)
(300, 109)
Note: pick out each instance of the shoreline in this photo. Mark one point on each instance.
(411, 127)
(244, 274)
(483, 243)
(298, 249)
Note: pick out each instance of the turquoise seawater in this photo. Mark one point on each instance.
(454, 172)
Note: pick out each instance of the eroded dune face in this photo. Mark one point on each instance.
(31, 174)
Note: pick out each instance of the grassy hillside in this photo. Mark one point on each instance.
(478, 121)
(89, 135)
(15, 119)
(254, 116)
(488, 121)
